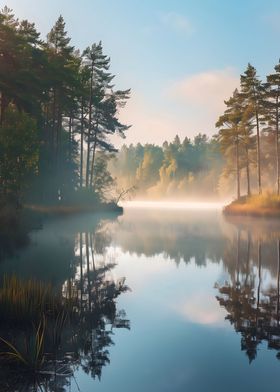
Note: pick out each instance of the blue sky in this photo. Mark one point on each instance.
(181, 58)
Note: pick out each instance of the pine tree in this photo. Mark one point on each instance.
(230, 133)
(273, 114)
(252, 92)
(104, 103)
(49, 83)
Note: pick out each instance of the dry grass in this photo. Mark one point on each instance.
(265, 205)
(22, 300)
(31, 310)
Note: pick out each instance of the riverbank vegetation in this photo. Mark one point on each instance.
(58, 109)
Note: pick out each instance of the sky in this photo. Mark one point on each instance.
(181, 58)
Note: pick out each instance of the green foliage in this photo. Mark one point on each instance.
(52, 100)
(19, 150)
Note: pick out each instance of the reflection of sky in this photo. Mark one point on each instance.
(189, 294)
(179, 338)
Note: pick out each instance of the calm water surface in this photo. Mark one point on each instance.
(202, 312)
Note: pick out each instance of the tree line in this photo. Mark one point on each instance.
(249, 130)
(175, 169)
(58, 109)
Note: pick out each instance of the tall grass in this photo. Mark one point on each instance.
(38, 326)
(29, 352)
(25, 300)
(36, 312)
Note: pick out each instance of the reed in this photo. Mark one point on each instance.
(37, 315)
(25, 300)
(29, 351)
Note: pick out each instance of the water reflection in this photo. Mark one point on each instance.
(172, 260)
(251, 295)
(178, 235)
(247, 248)
(78, 309)
(199, 236)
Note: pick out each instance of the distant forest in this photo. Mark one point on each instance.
(173, 170)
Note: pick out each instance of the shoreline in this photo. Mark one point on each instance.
(261, 206)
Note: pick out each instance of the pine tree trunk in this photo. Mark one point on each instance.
(58, 137)
(237, 169)
(87, 162)
(248, 172)
(93, 158)
(89, 129)
(82, 145)
(53, 123)
(277, 147)
(70, 132)
(258, 154)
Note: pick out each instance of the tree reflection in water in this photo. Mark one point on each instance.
(252, 302)
(79, 341)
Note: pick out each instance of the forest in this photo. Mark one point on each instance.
(241, 159)
(59, 107)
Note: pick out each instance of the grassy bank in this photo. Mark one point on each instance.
(266, 205)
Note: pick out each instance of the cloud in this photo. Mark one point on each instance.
(150, 123)
(176, 22)
(201, 309)
(184, 107)
(206, 90)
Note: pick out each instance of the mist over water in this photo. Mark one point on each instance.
(173, 204)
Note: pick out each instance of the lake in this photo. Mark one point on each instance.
(198, 309)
